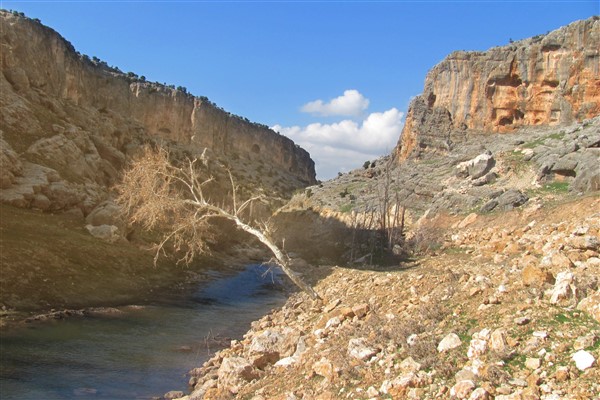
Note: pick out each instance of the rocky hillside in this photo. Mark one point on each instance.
(507, 308)
(550, 79)
(491, 289)
(69, 124)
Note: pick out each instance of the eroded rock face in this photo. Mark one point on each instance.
(83, 119)
(546, 80)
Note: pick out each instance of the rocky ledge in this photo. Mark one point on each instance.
(507, 308)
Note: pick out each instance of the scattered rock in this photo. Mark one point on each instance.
(535, 275)
(450, 341)
(234, 372)
(583, 360)
(462, 389)
(358, 348)
(591, 305)
(563, 288)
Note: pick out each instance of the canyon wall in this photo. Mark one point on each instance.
(549, 79)
(70, 122)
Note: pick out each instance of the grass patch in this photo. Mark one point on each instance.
(346, 208)
(556, 187)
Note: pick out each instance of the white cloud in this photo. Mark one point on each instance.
(346, 145)
(351, 103)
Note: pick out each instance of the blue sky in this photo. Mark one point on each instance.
(282, 63)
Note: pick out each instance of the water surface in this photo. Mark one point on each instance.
(138, 354)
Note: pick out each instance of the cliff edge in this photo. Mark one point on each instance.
(551, 79)
(69, 123)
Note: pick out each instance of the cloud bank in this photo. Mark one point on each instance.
(351, 103)
(347, 144)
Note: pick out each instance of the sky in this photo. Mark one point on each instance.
(335, 76)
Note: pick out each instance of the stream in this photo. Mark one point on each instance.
(139, 353)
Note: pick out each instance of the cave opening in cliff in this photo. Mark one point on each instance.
(504, 121)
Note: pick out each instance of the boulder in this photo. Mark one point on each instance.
(536, 275)
(324, 368)
(106, 213)
(583, 360)
(511, 199)
(234, 372)
(563, 288)
(450, 341)
(110, 233)
(477, 167)
(591, 305)
(462, 389)
(357, 348)
(498, 341)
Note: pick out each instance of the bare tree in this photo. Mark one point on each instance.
(156, 193)
(391, 223)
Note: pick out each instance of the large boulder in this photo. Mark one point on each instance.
(477, 167)
(234, 372)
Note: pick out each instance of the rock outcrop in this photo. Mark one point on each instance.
(73, 121)
(545, 80)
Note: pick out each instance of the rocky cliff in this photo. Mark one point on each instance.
(69, 123)
(549, 79)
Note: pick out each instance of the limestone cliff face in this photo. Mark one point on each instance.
(74, 121)
(546, 80)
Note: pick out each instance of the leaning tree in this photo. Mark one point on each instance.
(157, 193)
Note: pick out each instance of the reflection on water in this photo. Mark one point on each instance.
(141, 353)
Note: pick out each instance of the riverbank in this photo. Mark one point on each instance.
(509, 308)
(51, 267)
(132, 352)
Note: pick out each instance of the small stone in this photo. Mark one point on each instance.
(591, 305)
(584, 341)
(479, 394)
(173, 394)
(410, 365)
(465, 375)
(324, 368)
(286, 362)
(462, 389)
(518, 382)
(333, 322)
(522, 321)
(583, 360)
(533, 363)
(536, 275)
(450, 341)
(357, 348)
(562, 374)
(372, 392)
(477, 347)
(361, 310)
(562, 288)
(540, 334)
(498, 340)
(329, 307)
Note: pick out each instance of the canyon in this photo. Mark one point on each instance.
(71, 123)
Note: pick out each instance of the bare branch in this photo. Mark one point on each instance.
(158, 195)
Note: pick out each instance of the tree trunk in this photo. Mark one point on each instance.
(282, 259)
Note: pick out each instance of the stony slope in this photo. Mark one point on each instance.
(507, 308)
